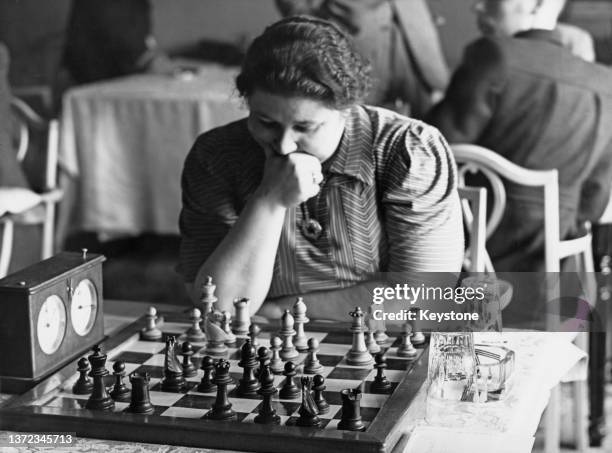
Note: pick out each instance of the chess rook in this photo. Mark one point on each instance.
(358, 354)
(299, 318)
(351, 411)
(242, 320)
(140, 402)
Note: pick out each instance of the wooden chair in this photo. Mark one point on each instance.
(474, 208)
(25, 121)
(476, 159)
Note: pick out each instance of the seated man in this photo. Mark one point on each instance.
(111, 38)
(522, 94)
(400, 40)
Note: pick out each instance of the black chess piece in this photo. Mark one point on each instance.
(173, 381)
(222, 408)
(140, 401)
(263, 356)
(99, 399)
(351, 411)
(207, 385)
(289, 390)
(308, 409)
(318, 385)
(189, 370)
(84, 385)
(248, 384)
(381, 384)
(266, 414)
(120, 392)
(254, 331)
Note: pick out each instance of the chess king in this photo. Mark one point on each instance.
(314, 193)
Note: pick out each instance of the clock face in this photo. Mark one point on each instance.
(51, 324)
(83, 307)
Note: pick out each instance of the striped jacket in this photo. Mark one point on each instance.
(388, 203)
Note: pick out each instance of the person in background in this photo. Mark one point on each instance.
(521, 93)
(315, 194)
(111, 38)
(400, 40)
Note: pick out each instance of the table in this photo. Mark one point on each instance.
(542, 360)
(125, 140)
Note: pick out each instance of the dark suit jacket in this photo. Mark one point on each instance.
(106, 38)
(397, 36)
(532, 101)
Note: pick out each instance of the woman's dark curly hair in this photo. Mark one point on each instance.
(308, 57)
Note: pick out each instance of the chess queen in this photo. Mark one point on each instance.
(314, 193)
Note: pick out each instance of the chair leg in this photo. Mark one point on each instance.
(552, 421)
(6, 247)
(580, 401)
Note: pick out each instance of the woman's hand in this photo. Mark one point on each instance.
(291, 179)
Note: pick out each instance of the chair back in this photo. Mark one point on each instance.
(474, 209)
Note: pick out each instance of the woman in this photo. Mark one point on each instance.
(313, 193)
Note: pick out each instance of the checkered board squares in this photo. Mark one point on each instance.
(185, 412)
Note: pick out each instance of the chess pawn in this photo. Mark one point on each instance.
(318, 386)
(418, 338)
(140, 402)
(189, 370)
(84, 385)
(227, 319)
(373, 347)
(289, 390)
(99, 398)
(242, 320)
(276, 363)
(378, 326)
(195, 333)
(207, 385)
(312, 364)
(380, 384)
(150, 332)
(247, 385)
(267, 413)
(299, 318)
(120, 392)
(288, 351)
(406, 349)
(208, 298)
(254, 331)
(263, 356)
(358, 354)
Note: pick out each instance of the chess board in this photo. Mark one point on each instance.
(178, 417)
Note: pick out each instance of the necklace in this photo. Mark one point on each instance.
(311, 228)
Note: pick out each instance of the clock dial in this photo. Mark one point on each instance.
(83, 307)
(51, 324)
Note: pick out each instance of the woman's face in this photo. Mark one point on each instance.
(283, 124)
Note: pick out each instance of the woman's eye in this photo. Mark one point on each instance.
(306, 129)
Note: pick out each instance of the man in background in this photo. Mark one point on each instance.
(111, 38)
(400, 40)
(521, 93)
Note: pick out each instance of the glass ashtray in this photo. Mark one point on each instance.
(496, 365)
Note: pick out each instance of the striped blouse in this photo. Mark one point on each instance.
(388, 203)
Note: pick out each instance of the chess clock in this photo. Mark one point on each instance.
(50, 313)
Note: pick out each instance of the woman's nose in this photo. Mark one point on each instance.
(287, 143)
